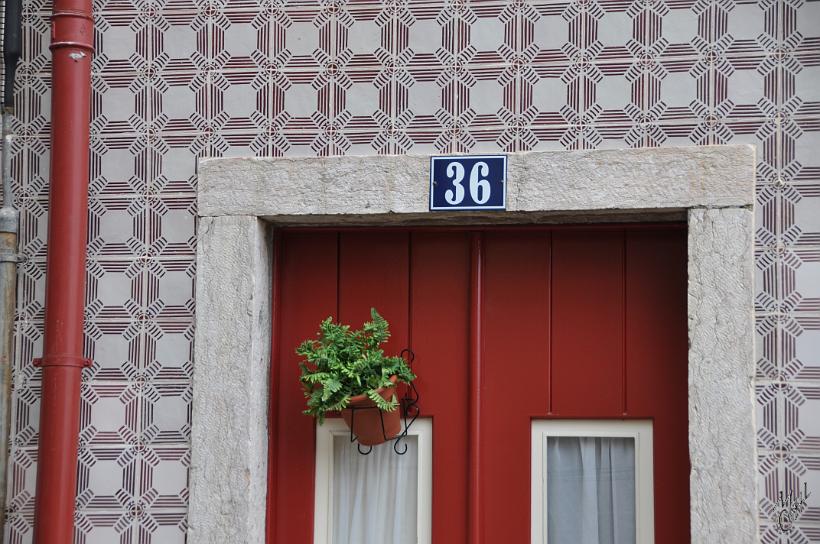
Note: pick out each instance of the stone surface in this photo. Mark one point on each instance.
(715, 184)
(721, 372)
(228, 475)
(634, 179)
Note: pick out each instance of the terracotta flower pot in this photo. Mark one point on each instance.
(366, 424)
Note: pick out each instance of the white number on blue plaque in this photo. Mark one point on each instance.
(468, 183)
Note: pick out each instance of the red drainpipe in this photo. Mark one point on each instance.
(72, 45)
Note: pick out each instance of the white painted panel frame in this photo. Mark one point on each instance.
(422, 429)
(639, 430)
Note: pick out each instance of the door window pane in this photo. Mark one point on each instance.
(592, 482)
(590, 490)
(375, 495)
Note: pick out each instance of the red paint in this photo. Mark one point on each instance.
(587, 327)
(62, 361)
(474, 492)
(273, 422)
(307, 295)
(516, 371)
(441, 340)
(656, 374)
(519, 324)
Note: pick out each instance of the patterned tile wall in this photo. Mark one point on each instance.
(175, 80)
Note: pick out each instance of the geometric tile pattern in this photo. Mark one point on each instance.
(175, 80)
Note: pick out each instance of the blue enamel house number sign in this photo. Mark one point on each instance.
(468, 183)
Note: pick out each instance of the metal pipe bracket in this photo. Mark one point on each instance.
(62, 360)
(72, 29)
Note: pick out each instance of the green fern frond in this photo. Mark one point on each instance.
(341, 363)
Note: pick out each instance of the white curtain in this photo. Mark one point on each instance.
(590, 490)
(375, 495)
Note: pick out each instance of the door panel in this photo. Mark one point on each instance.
(440, 280)
(373, 273)
(588, 313)
(585, 322)
(307, 272)
(656, 378)
(514, 377)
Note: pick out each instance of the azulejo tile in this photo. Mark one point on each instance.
(115, 349)
(489, 30)
(301, 36)
(172, 226)
(181, 102)
(115, 289)
(170, 288)
(800, 220)
(106, 478)
(801, 81)
(164, 476)
(362, 101)
(116, 227)
(365, 33)
(748, 24)
(168, 352)
(239, 39)
(119, 104)
(802, 474)
(165, 413)
(769, 482)
(766, 279)
(90, 526)
(800, 278)
(767, 202)
(33, 228)
(26, 411)
(163, 527)
(22, 472)
(35, 42)
(109, 413)
(749, 87)
(241, 144)
(28, 346)
(122, 43)
(673, 27)
(179, 41)
(784, 417)
(801, 346)
(239, 100)
(118, 166)
(800, 142)
(766, 347)
(800, 29)
(31, 286)
(173, 159)
(617, 94)
(426, 29)
(35, 98)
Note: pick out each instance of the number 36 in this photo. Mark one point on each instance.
(479, 186)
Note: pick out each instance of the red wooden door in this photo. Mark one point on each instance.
(507, 326)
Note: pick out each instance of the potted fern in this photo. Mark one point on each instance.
(346, 371)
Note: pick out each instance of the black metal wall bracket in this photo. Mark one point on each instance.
(409, 406)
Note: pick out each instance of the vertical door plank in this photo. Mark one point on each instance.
(514, 377)
(373, 273)
(440, 279)
(308, 295)
(587, 323)
(656, 347)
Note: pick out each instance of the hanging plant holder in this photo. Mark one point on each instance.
(346, 371)
(370, 426)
